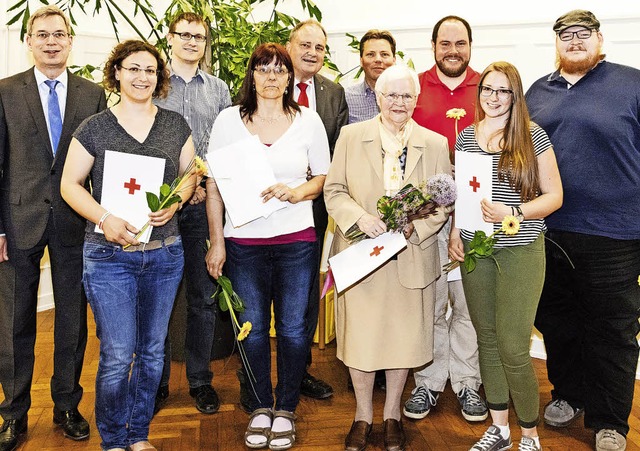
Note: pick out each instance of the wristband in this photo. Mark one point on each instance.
(104, 216)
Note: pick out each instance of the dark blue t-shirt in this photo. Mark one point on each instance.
(594, 127)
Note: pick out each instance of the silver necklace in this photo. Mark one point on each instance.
(269, 120)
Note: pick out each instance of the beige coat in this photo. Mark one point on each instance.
(385, 320)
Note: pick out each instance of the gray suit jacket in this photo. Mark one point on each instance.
(29, 174)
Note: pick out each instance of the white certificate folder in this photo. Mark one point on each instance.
(242, 171)
(126, 180)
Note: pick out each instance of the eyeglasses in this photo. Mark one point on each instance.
(399, 98)
(139, 71)
(503, 94)
(44, 36)
(279, 71)
(186, 36)
(581, 34)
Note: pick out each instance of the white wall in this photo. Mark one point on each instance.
(522, 36)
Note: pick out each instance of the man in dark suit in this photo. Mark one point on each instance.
(307, 46)
(39, 110)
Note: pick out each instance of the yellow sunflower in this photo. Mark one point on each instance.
(244, 331)
(201, 166)
(510, 225)
(456, 113)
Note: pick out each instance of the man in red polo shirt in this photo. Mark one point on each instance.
(449, 84)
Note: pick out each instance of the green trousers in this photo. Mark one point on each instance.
(502, 300)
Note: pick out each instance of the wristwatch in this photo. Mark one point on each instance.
(520, 215)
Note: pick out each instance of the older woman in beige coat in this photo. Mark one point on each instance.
(386, 320)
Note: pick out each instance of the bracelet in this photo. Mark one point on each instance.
(513, 211)
(104, 216)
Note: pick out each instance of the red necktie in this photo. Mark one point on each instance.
(303, 100)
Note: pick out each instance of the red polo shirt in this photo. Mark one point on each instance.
(436, 99)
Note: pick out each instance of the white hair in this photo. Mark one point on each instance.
(396, 72)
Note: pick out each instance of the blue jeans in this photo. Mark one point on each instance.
(202, 310)
(281, 273)
(131, 295)
(588, 317)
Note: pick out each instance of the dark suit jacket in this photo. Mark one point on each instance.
(331, 106)
(29, 174)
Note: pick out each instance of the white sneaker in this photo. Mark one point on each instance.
(610, 440)
(528, 444)
(492, 440)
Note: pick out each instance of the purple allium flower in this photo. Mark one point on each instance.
(442, 189)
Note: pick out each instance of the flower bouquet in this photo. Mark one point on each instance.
(409, 204)
(481, 246)
(170, 194)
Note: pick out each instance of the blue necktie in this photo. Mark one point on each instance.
(55, 118)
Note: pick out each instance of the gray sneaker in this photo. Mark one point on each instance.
(610, 440)
(492, 441)
(528, 444)
(420, 403)
(473, 406)
(560, 413)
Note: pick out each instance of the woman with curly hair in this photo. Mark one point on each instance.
(130, 285)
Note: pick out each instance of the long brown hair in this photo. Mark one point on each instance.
(518, 163)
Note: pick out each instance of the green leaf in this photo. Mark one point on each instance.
(170, 201)
(165, 189)
(469, 262)
(152, 201)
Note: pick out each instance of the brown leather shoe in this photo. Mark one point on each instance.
(394, 438)
(357, 437)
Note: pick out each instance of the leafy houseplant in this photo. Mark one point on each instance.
(233, 32)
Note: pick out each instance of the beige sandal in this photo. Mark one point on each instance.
(289, 435)
(258, 432)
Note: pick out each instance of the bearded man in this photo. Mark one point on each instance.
(589, 309)
(449, 84)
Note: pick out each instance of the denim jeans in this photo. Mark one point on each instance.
(131, 295)
(588, 317)
(202, 310)
(283, 274)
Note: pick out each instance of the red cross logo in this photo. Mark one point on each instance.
(376, 251)
(475, 184)
(132, 186)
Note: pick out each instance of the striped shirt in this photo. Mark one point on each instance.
(502, 192)
(199, 101)
(361, 101)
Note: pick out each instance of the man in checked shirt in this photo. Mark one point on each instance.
(199, 97)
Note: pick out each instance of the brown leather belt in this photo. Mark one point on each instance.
(151, 245)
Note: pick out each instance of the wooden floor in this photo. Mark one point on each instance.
(322, 425)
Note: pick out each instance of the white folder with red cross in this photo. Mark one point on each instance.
(473, 183)
(126, 180)
(361, 259)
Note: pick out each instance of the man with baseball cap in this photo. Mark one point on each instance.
(589, 308)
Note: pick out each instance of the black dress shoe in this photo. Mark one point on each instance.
(394, 438)
(315, 388)
(161, 398)
(12, 432)
(207, 400)
(73, 424)
(357, 438)
(246, 400)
